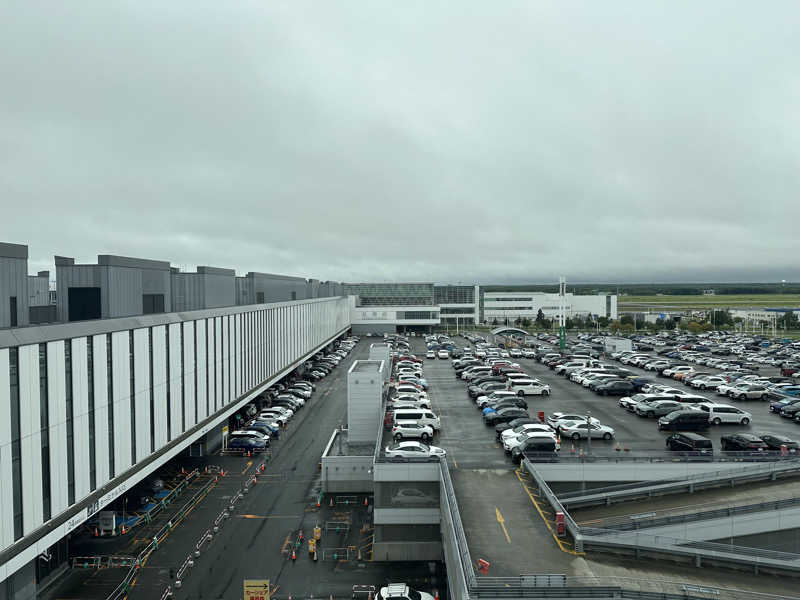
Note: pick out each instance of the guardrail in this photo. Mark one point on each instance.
(640, 542)
(121, 591)
(630, 522)
(640, 456)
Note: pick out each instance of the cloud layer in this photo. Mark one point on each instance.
(453, 142)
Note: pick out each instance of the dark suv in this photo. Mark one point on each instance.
(689, 442)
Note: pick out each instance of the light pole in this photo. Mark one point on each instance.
(589, 431)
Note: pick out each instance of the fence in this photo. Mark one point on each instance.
(641, 542)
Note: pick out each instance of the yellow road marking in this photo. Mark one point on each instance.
(268, 516)
(249, 464)
(563, 547)
(502, 522)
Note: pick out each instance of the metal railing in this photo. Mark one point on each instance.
(647, 456)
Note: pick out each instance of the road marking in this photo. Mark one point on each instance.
(249, 464)
(502, 522)
(455, 464)
(561, 544)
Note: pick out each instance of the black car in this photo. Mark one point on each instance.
(689, 442)
(517, 401)
(499, 429)
(543, 446)
(504, 415)
(774, 441)
(616, 387)
(743, 442)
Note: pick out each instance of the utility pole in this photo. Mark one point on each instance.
(589, 430)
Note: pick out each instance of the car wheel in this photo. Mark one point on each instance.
(717, 421)
(520, 393)
(650, 414)
(576, 436)
(425, 437)
(745, 421)
(724, 445)
(703, 386)
(398, 437)
(606, 436)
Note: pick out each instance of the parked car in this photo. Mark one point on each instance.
(528, 387)
(749, 391)
(581, 430)
(615, 388)
(534, 445)
(657, 408)
(684, 420)
(775, 441)
(500, 428)
(742, 442)
(689, 442)
(411, 429)
(504, 415)
(557, 419)
(719, 414)
(430, 354)
(411, 449)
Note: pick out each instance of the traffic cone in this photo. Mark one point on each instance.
(122, 530)
(436, 595)
(183, 471)
(572, 449)
(366, 502)
(294, 555)
(331, 502)
(301, 535)
(581, 453)
(315, 556)
(96, 532)
(317, 502)
(255, 479)
(248, 454)
(618, 447)
(626, 448)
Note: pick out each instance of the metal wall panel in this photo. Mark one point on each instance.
(101, 408)
(13, 282)
(175, 380)
(141, 380)
(230, 348)
(57, 408)
(6, 491)
(80, 416)
(160, 384)
(200, 327)
(121, 369)
(189, 373)
(31, 437)
(124, 292)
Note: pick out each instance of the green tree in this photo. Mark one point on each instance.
(526, 322)
(603, 322)
(494, 321)
(626, 320)
(540, 319)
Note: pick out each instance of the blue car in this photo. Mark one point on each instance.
(246, 444)
(263, 428)
(423, 383)
(777, 406)
(792, 390)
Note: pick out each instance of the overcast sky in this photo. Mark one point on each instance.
(423, 141)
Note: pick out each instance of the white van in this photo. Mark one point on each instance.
(724, 413)
(423, 416)
(474, 372)
(528, 387)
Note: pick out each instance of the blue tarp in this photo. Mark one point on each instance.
(161, 494)
(149, 506)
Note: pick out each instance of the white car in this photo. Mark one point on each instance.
(409, 449)
(515, 353)
(677, 369)
(528, 387)
(274, 416)
(597, 377)
(528, 353)
(558, 418)
(443, 354)
(430, 354)
(581, 430)
(709, 382)
(510, 443)
(408, 402)
(509, 433)
(400, 591)
(411, 429)
(719, 414)
(495, 396)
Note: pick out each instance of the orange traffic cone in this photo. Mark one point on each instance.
(294, 555)
(122, 530)
(248, 454)
(317, 502)
(366, 502)
(96, 532)
(618, 447)
(626, 448)
(581, 453)
(572, 449)
(183, 471)
(436, 595)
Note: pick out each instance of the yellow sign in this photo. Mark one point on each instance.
(256, 589)
(225, 430)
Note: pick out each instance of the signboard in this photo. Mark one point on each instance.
(256, 589)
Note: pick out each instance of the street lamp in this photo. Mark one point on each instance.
(589, 431)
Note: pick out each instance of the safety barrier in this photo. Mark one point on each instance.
(121, 591)
(338, 554)
(642, 543)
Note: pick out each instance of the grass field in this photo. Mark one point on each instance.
(704, 302)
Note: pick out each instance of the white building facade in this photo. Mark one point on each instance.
(89, 409)
(501, 305)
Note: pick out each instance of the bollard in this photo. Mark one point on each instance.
(178, 584)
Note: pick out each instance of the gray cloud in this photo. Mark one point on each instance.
(476, 141)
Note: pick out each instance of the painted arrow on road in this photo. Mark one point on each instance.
(502, 522)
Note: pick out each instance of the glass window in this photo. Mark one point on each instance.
(110, 391)
(132, 383)
(152, 391)
(169, 381)
(90, 393)
(12, 306)
(70, 423)
(44, 424)
(16, 444)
